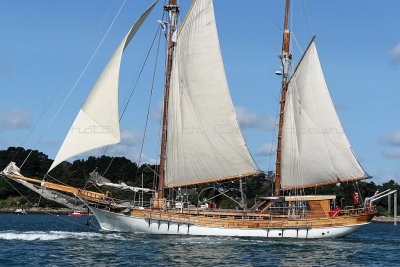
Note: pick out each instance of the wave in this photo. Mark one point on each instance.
(56, 235)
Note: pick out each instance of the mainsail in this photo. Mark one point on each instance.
(204, 141)
(97, 123)
(315, 149)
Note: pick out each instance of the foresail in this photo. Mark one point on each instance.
(315, 149)
(97, 123)
(99, 180)
(204, 141)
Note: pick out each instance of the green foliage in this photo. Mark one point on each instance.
(226, 203)
(5, 189)
(13, 202)
(193, 198)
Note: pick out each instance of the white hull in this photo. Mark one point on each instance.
(122, 223)
(20, 212)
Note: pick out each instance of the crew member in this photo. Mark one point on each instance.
(356, 200)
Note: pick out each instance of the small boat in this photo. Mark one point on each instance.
(76, 214)
(20, 211)
(385, 219)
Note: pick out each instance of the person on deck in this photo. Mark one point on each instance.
(356, 200)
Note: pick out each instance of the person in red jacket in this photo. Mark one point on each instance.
(356, 200)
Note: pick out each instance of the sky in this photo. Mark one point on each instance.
(46, 45)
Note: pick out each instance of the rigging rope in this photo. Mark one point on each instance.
(150, 98)
(75, 85)
(149, 106)
(308, 19)
(270, 18)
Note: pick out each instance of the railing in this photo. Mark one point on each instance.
(290, 213)
(351, 210)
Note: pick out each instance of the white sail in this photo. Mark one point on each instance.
(97, 123)
(315, 149)
(99, 180)
(204, 141)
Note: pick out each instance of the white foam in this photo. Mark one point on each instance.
(55, 235)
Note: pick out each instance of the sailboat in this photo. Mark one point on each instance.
(202, 143)
(20, 211)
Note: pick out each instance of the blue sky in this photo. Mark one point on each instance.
(45, 45)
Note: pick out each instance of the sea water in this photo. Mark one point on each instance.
(49, 240)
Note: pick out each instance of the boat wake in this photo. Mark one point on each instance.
(56, 235)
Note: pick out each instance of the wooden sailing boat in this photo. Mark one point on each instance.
(202, 142)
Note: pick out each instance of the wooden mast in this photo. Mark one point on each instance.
(173, 10)
(285, 58)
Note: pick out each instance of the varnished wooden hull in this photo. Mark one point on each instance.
(147, 221)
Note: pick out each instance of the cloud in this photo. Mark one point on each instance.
(130, 136)
(269, 123)
(266, 149)
(250, 119)
(132, 153)
(130, 147)
(247, 119)
(394, 53)
(392, 154)
(391, 145)
(392, 139)
(15, 119)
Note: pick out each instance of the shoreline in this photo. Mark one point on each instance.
(385, 219)
(58, 211)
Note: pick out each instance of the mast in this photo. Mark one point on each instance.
(286, 58)
(173, 10)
